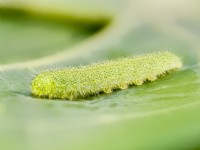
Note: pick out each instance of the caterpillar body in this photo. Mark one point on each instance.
(79, 82)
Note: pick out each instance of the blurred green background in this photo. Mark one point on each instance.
(43, 34)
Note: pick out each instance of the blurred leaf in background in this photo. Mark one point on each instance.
(45, 34)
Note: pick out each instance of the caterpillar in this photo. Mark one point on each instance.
(103, 77)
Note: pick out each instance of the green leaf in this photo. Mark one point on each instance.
(157, 115)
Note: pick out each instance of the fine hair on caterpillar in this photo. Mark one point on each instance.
(103, 77)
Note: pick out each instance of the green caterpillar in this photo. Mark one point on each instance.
(79, 82)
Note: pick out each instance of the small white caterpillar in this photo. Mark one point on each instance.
(72, 83)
